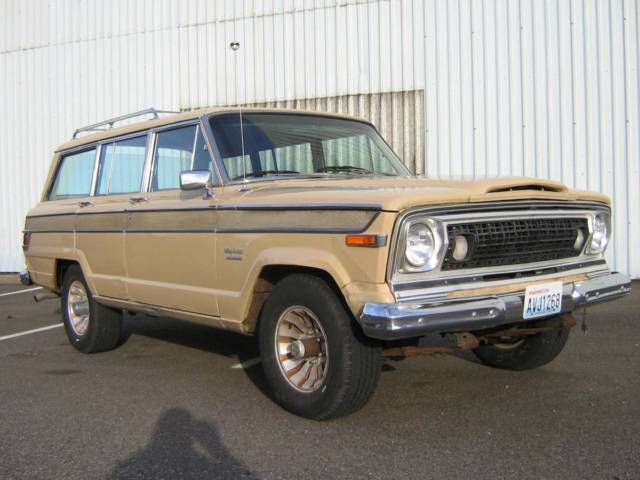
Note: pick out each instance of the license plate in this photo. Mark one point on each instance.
(542, 300)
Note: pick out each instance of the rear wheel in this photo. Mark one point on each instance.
(526, 352)
(90, 327)
(318, 363)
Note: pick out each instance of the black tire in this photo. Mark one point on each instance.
(354, 361)
(529, 352)
(104, 329)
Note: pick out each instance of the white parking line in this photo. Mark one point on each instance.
(248, 363)
(35, 330)
(21, 291)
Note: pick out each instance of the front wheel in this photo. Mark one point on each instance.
(90, 327)
(317, 362)
(527, 352)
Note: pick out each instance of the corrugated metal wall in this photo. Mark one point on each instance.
(548, 88)
(539, 88)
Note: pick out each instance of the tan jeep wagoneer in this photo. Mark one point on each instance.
(307, 230)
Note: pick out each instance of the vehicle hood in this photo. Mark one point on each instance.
(397, 194)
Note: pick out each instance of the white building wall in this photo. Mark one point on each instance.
(546, 88)
(539, 88)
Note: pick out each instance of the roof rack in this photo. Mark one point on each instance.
(96, 126)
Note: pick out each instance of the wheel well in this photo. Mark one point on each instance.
(270, 276)
(61, 268)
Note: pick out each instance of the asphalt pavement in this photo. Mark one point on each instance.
(176, 402)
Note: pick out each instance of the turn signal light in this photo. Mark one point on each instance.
(366, 240)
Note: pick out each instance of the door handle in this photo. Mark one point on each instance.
(135, 200)
(85, 203)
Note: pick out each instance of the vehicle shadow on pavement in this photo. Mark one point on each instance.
(202, 337)
(466, 355)
(181, 447)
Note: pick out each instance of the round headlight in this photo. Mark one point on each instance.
(420, 245)
(600, 235)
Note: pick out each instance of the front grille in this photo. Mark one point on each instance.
(511, 242)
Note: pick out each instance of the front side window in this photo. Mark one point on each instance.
(174, 154)
(121, 166)
(291, 145)
(201, 157)
(74, 176)
(177, 150)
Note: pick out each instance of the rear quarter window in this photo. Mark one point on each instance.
(74, 175)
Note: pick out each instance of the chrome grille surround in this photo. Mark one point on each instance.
(437, 282)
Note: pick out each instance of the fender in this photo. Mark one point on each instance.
(236, 306)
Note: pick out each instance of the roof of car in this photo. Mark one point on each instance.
(180, 117)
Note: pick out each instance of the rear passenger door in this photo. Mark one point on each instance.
(170, 240)
(101, 220)
(54, 224)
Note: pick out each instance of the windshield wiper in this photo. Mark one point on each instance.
(262, 173)
(351, 169)
(344, 168)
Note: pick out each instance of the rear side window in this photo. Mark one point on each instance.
(121, 166)
(74, 176)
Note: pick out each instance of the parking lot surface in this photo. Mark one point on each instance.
(175, 402)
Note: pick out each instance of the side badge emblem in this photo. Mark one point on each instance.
(233, 253)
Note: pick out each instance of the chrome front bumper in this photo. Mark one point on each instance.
(391, 321)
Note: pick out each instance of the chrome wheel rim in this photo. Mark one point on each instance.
(78, 308)
(301, 349)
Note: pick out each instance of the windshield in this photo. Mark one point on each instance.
(278, 144)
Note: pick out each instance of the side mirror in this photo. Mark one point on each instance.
(196, 180)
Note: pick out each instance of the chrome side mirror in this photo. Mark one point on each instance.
(197, 180)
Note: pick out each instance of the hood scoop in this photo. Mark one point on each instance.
(530, 187)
